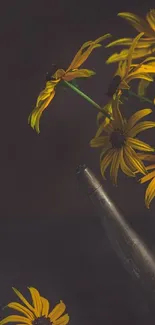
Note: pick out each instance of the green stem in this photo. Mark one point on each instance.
(78, 91)
(145, 99)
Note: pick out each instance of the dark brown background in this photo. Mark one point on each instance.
(50, 235)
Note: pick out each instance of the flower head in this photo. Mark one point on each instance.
(127, 71)
(119, 143)
(146, 46)
(37, 313)
(73, 71)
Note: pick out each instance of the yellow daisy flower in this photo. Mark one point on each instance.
(119, 143)
(128, 71)
(125, 73)
(73, 71)
(146, 46)
(37, 313)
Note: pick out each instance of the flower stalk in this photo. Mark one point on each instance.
(91, 101)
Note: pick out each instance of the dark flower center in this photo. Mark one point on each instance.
(117, 139)
(113, 86)
(42, 321)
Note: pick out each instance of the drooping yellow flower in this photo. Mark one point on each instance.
(146, 46)
(38, 313)
(73, 71)
(120, 142)
(125, 73)
(129, 71)
(150, 191)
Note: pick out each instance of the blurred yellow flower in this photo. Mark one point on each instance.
(37, 313)
(119, 143)
(73, 71)
(125, 73)
(146, 46)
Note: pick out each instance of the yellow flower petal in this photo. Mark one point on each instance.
(139, 23)
(137, 54)
(22, 309)
(150, 167)
(149, 176)
(133, 161)
(37, 303)
(81, 57)
(104, 150)
(59, 74)
(146, 157)
(21, 297)
(115, 166)
(81, 73)
(34, 117)
(142, 43)
(78, 55)
(131, 50)
(125, 169)
(150, 193)
(136, 117)
(141, 126)
(99, 141)
(14, 319)
(137, 75)
(62, 320)
(139, 145)
(102, 127)
(57, 311)
(106, 161)
(118, 122)
(45, 307)
(151, 18)
(142, 86)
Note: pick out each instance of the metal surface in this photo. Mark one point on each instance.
(133, 253)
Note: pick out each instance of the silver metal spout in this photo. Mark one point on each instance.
(134, 254)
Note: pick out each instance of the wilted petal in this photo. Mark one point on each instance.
(137, 54)
(142, 86)
(81, 73)
(142, 43)
(137, 22)
(35, 116)
(81, 57)
(131, 50)
(151, 18)
(118, 122)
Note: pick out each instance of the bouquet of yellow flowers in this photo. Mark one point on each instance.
(116, 136)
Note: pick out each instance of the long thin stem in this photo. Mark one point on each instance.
(78, 91)
(145, 99)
